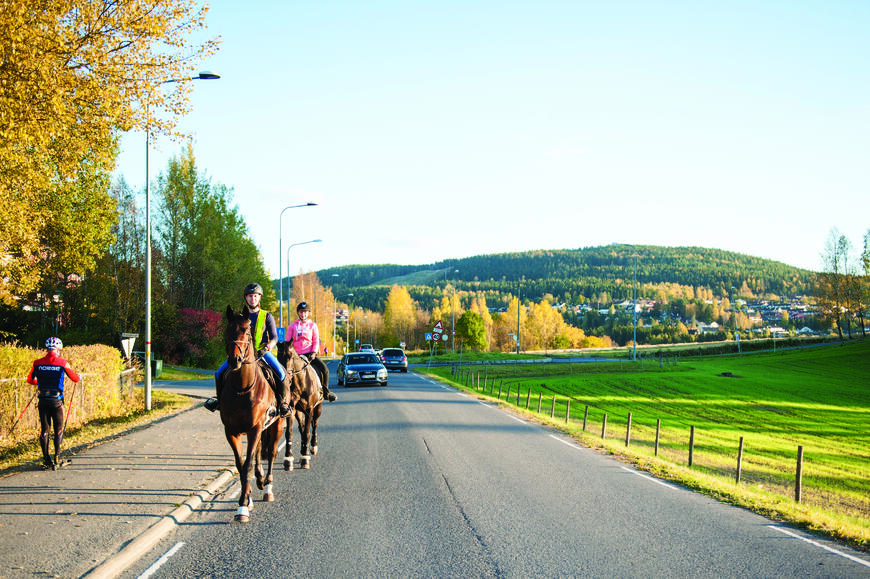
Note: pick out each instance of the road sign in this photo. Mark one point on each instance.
(125, 335)
(428, 336)
(127, 346)
(281, 334)
(444, 337)
(438, 327)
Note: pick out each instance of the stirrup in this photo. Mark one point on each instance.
(212, 404)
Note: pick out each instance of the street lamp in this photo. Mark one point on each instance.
(281, 280)
(280, 251)
(204, 75)
(453, 318)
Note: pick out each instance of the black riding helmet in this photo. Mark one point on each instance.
(253, 288)
(302, 306)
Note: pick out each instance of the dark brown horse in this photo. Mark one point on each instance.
(244, 404)
(307, 398)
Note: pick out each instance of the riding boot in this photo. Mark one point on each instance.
(327, 394)
(323, 374)
(282, 396)
(213, 404)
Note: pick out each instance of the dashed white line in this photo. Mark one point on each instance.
(817, 544)
(159, 562)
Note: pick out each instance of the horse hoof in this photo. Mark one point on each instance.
(242, 515)
(268, 498)
(288, 464)
(305, 462)
(313, 450)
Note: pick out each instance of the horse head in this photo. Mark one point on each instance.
(238, 339)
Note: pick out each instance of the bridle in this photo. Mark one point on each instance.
(249, 338)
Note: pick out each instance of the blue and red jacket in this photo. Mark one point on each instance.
(48, 373)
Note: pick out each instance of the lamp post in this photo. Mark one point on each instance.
(204, 75)
(280, 251)
(453, 318)
(634, 313)
(281, 279)
(734, 309)
(334, 314)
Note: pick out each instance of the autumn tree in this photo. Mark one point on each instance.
(470, 329)
(73, 75)
(399, 314)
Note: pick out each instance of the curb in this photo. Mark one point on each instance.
(136, 548)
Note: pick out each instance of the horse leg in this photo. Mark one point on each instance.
(288, 443)
(305, 459)
(269, 452)
(258, 452)
(245, 502)
(315, 417)
(243, 514)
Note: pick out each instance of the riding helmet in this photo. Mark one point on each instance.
(53, 343)
(253, 288)
(302, 306)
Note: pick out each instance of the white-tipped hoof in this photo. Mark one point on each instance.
(313, 450)
(305, 462)
(288, 464)
(243, 515)
(268, 495)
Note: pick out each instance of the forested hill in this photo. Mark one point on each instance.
(568, 274)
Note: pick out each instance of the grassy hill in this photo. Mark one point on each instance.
(571, 274)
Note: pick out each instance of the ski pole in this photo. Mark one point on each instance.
(11, 430)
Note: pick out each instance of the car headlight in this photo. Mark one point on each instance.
(350, 373)
(382, 374)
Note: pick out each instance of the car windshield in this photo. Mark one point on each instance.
(362, 359)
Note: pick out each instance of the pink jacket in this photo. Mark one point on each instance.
(304, 335)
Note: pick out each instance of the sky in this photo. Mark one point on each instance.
(434, 130)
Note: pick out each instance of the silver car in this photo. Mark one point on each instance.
(361, 368)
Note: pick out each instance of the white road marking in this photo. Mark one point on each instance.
(159, 562)
(649, 478)
(816, 544)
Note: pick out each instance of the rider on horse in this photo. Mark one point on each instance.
(265, 337)
(305, 336)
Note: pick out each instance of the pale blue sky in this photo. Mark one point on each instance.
(432, 130)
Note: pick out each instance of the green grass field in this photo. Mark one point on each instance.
(817, 398)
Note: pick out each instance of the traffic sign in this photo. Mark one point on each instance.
(438, 327)
(443, 337)
(428, 336)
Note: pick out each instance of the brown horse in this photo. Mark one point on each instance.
(307, 398)
(244, 405)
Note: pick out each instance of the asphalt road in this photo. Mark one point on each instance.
(418, 480)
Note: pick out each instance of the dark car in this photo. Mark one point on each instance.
(394, 359)
(361, 368)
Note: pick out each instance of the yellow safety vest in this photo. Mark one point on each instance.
(259, 327)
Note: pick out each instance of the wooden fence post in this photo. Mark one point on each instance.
(604, 426)
(739, 459)
(540, 396)
(628, 431)
(553, 409)
(518, 395)
(567, 411)
(799, 475)
(499, 390)
(585, 417)
(658, 432)
(691, 445)
(528, 397)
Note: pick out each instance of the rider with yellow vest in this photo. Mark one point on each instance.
(265, 336)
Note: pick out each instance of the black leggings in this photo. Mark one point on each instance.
(321, 369)
(50, 417)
